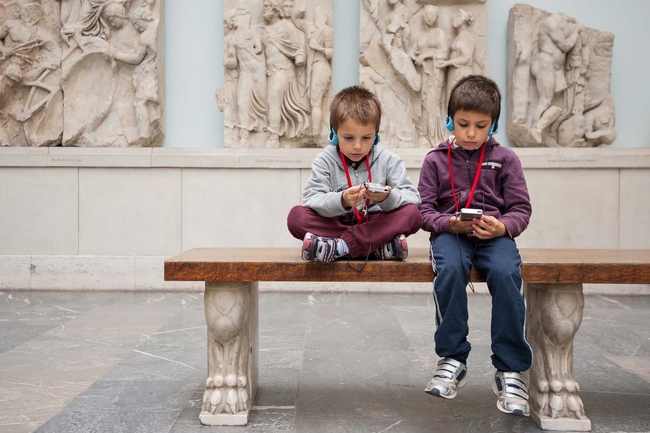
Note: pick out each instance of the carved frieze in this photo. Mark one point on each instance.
(411, 55)
(278, 73)
(559, 75)
(81, 73)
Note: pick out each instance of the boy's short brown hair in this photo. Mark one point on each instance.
(355, 103)
(475, 93)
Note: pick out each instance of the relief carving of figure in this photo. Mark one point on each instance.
(10, 79)
(396, 41)
(227, 95)
(462, 52)
(560, 92)
(115, 42)
(29, 58)
(398, 31)
(572, 128)
(430, 53)
(244, 54)
(300, 30)
(89, 102)
(577, 67)
(145, 76)
(321, 44)
(285, 51)
(97, 19)
(88, 76)
(413, 47)
(558, 34)
(599, 123)
(369, 24)
(16, 38)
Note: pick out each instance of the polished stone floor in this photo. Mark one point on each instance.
(329, 362)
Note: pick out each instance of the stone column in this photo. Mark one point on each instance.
(553, 317)
(231, 313)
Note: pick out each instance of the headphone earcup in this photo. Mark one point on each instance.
(332, 137)
(377, 140)
(449, 123)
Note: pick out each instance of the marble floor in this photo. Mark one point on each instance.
(329, 362)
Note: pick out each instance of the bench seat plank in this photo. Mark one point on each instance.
(284, 264)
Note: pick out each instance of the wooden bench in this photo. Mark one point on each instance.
(555, 302)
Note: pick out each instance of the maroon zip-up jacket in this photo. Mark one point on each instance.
(501, 191)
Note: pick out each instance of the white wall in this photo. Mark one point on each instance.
(194, 55)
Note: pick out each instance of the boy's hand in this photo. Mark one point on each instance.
(377, 197)
(488, 227)
(461, 227)
(353, 196)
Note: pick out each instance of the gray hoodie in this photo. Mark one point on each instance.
(327, 182)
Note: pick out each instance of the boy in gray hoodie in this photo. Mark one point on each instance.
(471, 170)
(340, 215)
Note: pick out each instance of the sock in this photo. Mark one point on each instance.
(341, 248)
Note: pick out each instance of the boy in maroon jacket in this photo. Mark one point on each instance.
(471, 170)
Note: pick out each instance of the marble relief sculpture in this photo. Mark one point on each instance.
(111, 73)
(559, 74)
(462, 51)
(81, 73)
(285, 53)
(429, 53)
(321, 48)
(412, 53)
(30, 92)
(244, 61)
(278, 58)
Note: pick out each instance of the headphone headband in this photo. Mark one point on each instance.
(334, 139)
(449, 120)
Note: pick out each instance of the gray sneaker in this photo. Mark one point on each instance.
(512, 392)
(449, 376)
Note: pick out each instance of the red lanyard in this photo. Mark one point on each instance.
(347, 174)
(476, 177)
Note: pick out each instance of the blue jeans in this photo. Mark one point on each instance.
(499, 260)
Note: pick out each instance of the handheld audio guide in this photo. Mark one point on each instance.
(468, 214)
(375, 187)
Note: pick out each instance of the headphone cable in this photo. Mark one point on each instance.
(363, 266)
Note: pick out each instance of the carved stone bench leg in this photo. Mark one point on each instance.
(553, 317)
(231, 313)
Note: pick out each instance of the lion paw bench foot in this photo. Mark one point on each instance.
(231, 317)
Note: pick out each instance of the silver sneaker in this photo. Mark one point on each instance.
(449, 376)
(512, 390)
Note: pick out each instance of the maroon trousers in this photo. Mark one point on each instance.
(377, 230)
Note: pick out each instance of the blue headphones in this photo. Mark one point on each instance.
(334, 139)
(449, 121)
